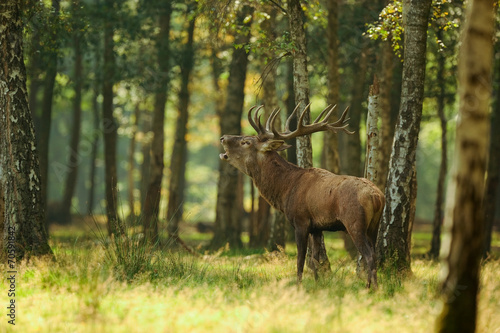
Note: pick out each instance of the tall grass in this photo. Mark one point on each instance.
(108, 285)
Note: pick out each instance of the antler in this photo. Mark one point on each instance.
(318, 125)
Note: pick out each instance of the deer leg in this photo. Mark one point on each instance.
(301, 240)
(365, 247)
(316, 236)
(367, 252)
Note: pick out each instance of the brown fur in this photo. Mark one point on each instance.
(313, 200)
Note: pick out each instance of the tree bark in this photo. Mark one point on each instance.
(493, 178)
(301, 91)
(393, 245)
(131, 163)
(153, 195)
(21, 205)
(290, 106)
(146, 155)
(372, 134)
(110, 128)
(34, 71)
(386, 127)
(74, 158)
(260, 231)
(464, 218)
(438, 210)
(330, 154)
(300, 78)
(228, 209)
(95, 138)
(179, 154)
(48, 92)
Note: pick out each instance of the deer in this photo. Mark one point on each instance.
(313, 200)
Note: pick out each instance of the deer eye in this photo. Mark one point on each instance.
(245, 143)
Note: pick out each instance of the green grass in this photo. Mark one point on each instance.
(97, 285)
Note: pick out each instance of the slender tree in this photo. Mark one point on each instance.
(228, 208)
(262, 220)
(146, 127)
(301, 92)
(153, 194)
(179, 154)
(492, 187)
(96, 126)
(330, 154)
(74, 159)
(386, 70)
(372, 133)
(438, 208)
(394, 238)
(131, 161)
(109, 125)
(48, 92)
(21, 205)
(464, 218)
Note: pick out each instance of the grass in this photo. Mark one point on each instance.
(117, 286)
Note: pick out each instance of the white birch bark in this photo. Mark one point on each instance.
(372, 136)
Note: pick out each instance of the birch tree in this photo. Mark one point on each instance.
(464, 218)
(21, 205)
(372, 136)
(394, 238)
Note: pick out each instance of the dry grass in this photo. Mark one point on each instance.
(85, 292)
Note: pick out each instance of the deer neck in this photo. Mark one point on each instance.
(274, 178)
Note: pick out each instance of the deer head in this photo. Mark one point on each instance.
(245, 152)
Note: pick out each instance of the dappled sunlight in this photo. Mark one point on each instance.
(223, 291)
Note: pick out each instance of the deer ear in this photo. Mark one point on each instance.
(277, 145)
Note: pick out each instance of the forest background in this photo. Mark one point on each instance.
(128, 100)
(61, 37)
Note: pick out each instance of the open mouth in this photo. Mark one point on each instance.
(224, 156)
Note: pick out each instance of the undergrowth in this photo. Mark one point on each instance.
(124, 284)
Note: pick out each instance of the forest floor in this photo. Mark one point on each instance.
(97, 285)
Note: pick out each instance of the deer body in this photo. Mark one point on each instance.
(313, 200)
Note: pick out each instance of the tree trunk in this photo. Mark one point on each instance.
(438, 210)
(493, 179)
(74, 158)
(260, 231)
(131, 163)
(179, 154)
(290, 106)
(110, 128)
(300, 78)
(21, 205)
(34, 71)
(330, 153)
(386, 127)
(464, 218)
(146, 156)
(352, 164)
(228, 211)
(301, 91)
(95, 138)
(372, 136)
(393, 246)
(46, 117)
(153, 195)
(261, 227)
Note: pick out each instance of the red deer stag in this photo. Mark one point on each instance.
(313, 200)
